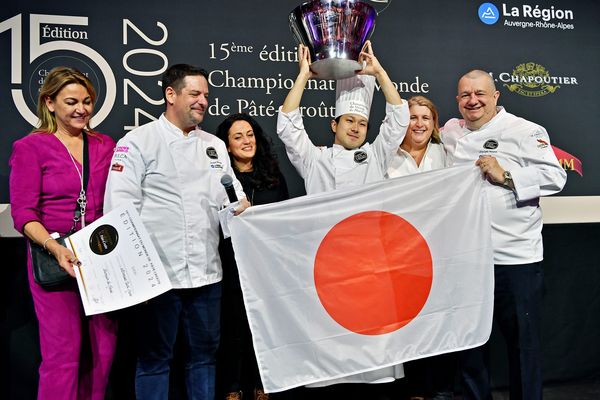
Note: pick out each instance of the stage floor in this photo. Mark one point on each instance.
(581, 390)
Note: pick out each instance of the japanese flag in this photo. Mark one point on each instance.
(354, 280)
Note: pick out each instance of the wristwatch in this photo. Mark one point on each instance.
(507, 178)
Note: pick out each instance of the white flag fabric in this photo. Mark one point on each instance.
(354, 280)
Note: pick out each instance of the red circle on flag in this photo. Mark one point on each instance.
(373, 272)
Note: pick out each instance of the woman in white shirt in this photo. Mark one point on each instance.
(421, 150)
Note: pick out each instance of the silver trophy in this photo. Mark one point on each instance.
(335, 32)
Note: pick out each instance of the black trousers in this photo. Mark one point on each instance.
(432, 376)
(517, 313)
(236, 362)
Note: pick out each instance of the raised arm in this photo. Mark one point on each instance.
(373, 67)
(292, 100)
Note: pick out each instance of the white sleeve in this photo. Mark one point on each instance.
(298, 146)
(239, 190)
(541, 174)
(125, 176)
(391, 133)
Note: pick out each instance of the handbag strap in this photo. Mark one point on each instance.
(81, 199)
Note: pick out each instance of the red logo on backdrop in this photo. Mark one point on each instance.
(568, 161)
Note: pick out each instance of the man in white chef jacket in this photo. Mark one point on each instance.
(516, 158)
(171, 170)
(350, 161)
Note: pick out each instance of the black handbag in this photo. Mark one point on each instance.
(46, 270)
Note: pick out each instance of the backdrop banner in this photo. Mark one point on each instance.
(250, 54)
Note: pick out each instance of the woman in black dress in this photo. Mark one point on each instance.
(257, 169)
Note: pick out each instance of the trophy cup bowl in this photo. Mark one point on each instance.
(335, 32)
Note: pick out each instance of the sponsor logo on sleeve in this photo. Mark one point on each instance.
(542, 144)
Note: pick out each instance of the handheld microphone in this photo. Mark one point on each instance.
(227, 183)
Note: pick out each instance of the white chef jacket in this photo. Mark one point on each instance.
(522, 148)
(404, 164)
(325, 169)
(174, 182)
(329, 168)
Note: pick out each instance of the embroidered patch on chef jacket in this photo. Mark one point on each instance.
(116, 167)
(491, 144)
(216, 165)
(212, 153)
(542, 144)
(360, 156)
(122, 149)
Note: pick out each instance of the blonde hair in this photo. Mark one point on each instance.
(425, 102)
(55, 81)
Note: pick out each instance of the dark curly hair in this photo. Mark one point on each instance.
(266, 169)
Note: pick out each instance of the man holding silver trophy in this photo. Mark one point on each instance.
(350, 161)
(332, 44)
